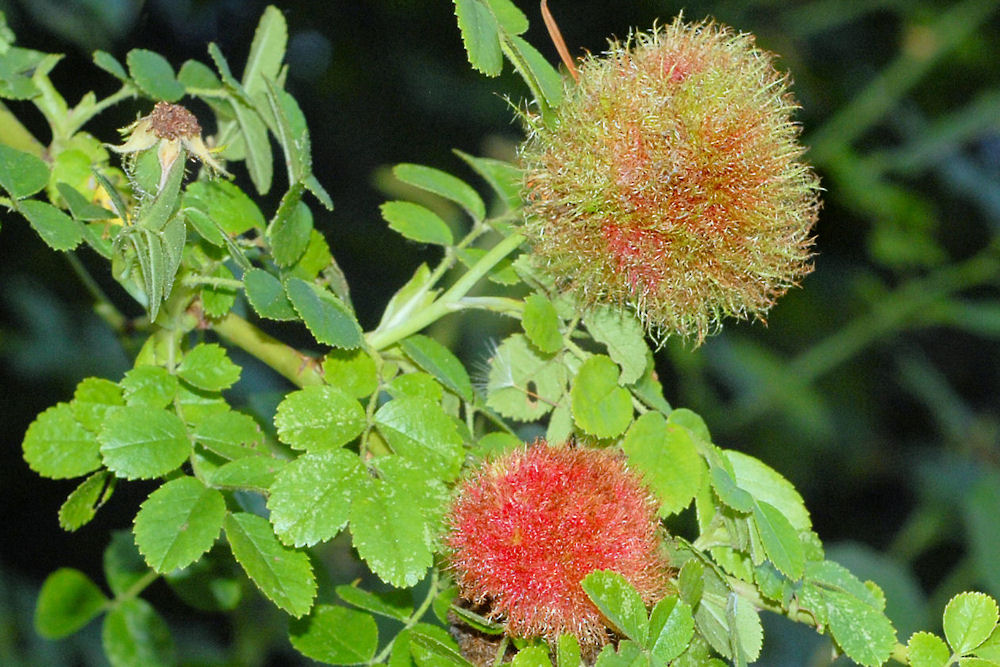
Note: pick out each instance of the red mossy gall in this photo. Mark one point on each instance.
(670, 180)
(529, 526)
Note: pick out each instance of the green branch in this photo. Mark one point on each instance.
(450, 300)
(301, 369)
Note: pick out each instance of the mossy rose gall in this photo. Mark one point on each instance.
(529, 526)
(670, 179)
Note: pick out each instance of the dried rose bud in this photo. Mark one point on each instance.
(174, 131)
(529, 526)
(670, 180)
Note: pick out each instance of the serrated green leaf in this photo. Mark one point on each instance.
(669, 462)
(149, 386)
(391, 604)
(863, 632)
(110, 64)
(154, 75)
(67, 601)
(390, 534)
(417, 223)
(217, 300)
(470, 618)
(834, 576)
(267, 296)
(522, 383)
(228, 207)
(123, 564)
(289, 127)
(155, 212)
(138, 442)
(560, 427)
(284, 575)
(510, 18)
(327, 318)
(480, 35)
(335, 635)
(197, 75)
(250, 472)
(541, 324)
(692, 422)
(289, 232)
(977, 662)
(58, 230)
(416, 385)
(57, 446)
(712, 616)
(690, 582)
(134, 634)
(549, 80)
(619, 602)
(420, 431)
(503, 177)
(431, 647)
(208, 367)
(439, 361)
(21, 174)
(425, 490)
(229, 434)
(780, 540)
(320, 417)
(990, 649)
(22, 67)
(259, 157)
(532, 656)
(310, 498)
(628, 655)
(568, 652)
(671, 626)
(80, 207)
(728, 491)
(600, 406)
(266, 51)
(764, 483)
(178, 523)
(927, 650)
(84, 501)
(443, 184)
(316, 260)
(969, 618)
(351, 371)
(749, 634)
(622, 334)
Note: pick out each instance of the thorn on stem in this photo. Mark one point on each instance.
(557, 39)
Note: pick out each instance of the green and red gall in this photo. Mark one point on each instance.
(526, 528)
(670, 181)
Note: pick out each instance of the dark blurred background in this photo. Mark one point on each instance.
(873, 388)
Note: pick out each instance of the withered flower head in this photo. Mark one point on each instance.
(670, 180)
(173, 130)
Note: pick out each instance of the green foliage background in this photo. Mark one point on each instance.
(873, 388)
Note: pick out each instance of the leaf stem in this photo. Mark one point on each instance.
(139, 586)
(301, 369)
(447, 302)
(213, 281)
(16, 135)
(432, 591)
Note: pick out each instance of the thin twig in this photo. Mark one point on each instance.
(557, 39)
